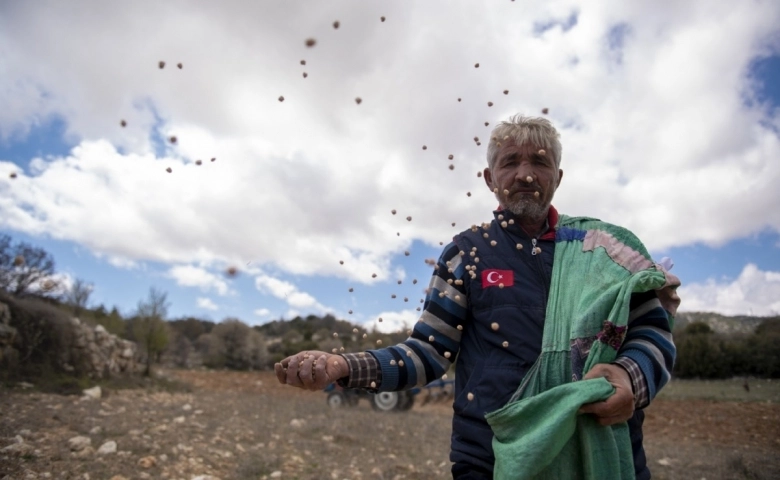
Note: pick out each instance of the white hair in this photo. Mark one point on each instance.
(535, 130)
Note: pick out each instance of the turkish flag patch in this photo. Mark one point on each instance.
(498, 278)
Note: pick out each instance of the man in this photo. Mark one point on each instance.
(521, 304)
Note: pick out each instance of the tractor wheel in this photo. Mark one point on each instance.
(385, 401)
(406, 401)
(336, 400)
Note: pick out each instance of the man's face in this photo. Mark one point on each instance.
(514, 165)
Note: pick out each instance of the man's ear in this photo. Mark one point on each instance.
(560, 177)
(488, 178)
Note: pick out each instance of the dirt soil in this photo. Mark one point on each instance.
(247, 426)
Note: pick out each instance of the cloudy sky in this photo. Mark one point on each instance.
(668, 111)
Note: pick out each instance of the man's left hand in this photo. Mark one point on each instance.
(620, 406)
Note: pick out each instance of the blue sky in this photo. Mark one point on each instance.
(668, 117)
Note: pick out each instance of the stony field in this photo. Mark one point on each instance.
(233, 425)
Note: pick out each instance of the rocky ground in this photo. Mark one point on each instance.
(245, 425)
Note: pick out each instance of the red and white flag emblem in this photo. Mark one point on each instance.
(498, 278)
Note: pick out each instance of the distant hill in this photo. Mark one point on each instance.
(740, 324)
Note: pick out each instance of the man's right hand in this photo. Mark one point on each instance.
(311, 369)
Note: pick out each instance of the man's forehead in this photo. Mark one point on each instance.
(509, 147)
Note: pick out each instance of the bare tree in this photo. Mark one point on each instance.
(77, 296)
(24, 267)
(149, 328)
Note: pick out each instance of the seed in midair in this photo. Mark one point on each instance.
(373, 384)
(379, 342)
(365, 335)
(379, 319)
(460, 327)
(335, 335)
(161, 64)
(504, 224)
(450, 157)
(490, 104)
(392, 363)
(511, 221)
(431, 338)
(382, 19)
(180, 65)
(470, 396)
(18, 261)
(418, 309)
(336, 24)
(545, 110)
(310, 42)
(506, 192)
(414, 281)
(425, 147)
(447, 354)
(393, 211)
(401, 362)
(173, 139)
(213, 159)
(341, 262)
(406, 253)
(335, 350)
(487, 123)
(408, 219)
(198, 162)
(351, 289)
(479, 144)
(373, 275)
(468, 194)
(350, 312)
(536, 194)
(341, 349)
(303, 62)
(452, 167)
(505, 344)
(506, 92)
(305, 74)
(476, 65)
(529, 179)
(492, 243)
(169, 170)
(12, 175)
(354, 330)
(123, 123)
(542, 152)
(358, 100)
(392, 295)
(281, 98)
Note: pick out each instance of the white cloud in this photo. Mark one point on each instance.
(262, 312)
(288, 292)
(754, 292)
(656, 133)
(190, 276)
(206, 304)
(395, 321)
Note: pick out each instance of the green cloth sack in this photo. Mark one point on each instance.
(527, 450)
(538, 434)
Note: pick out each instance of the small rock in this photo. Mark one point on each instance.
(20, 449)
(147, 462)
(206, 477)
(107, 448)
(86, 452)
(25, 432)
(187, 407)
(179, 420)
(665, 462)
(93, 392)
(79, 443)
(118, 477)
(276, 474)
(25, 385)
(296, 423)
(95, 430)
